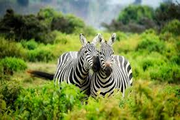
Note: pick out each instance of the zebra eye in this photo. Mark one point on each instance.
(86, 51)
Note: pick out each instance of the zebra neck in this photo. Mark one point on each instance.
(82, 69)
(103, 75)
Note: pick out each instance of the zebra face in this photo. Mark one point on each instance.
(106, 58)
(90, 56)
(90, 53)
(106, 55)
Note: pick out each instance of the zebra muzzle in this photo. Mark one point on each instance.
(108, 70)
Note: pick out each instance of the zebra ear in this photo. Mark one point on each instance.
(82, 39)
(112, 39)
(97, 39)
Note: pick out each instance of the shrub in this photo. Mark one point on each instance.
(142, 101)
(151, 43)
(30, 45)
(135, 13)
(9, 92)
(166, 12)
(172, 27)
(175, 59)
(151, 62)
(134, 18)
(166, 73)
(10, 49)
(40, 54)
(87, 30)
(11, 65)
(23, 27)
(67, 24)
(48, 102)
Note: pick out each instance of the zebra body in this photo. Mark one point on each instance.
(72, 71)
(120, 78)
(73, 67)
(115, 72)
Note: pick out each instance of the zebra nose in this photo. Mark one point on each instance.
(108, 70)
(107, 64)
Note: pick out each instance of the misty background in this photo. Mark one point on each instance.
(93, 12)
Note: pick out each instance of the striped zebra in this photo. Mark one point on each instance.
(73, 67)
(115, 71)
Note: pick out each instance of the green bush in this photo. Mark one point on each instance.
(9, 91)
(10, 49)
(23, 27)
(48, 102)
(30, 45)
(135, 13)
(151, 42)
(67, 24)
(151, 62)
(166, 73)
(11, 65)
(172, 27)
(40, 54)
(145, 100)
(175, 59)
(142, 101)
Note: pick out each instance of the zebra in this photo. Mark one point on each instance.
(73, 67)
(115, 71)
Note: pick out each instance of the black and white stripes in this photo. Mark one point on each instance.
(73, 67)
(115, 71)
(110, 71)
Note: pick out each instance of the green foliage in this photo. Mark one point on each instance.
(143, 101)
(39, 27)
(40, 54)
(9, 91)
(151, 43)
(10, 49)
(167, 12)
(134, 18)
(23, 27)
(172, 27)
(11, 65)
(30, 45)
(150, 62)
(48, 13)
(137, 19)
(169, 73)
(135, 14)
(48, 102)
(67, 24)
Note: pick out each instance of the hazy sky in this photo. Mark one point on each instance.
(153, 3)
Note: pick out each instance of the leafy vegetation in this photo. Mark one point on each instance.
(10, 65)
(136, 18)
(40, 26)
(142, 101)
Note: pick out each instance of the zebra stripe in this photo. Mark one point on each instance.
(73, 67)
(115, 71)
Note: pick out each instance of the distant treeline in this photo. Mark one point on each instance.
(136, 18)
(40, 26)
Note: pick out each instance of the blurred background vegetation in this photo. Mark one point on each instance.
(149, 37)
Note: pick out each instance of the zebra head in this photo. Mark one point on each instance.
(106, 55)
(89, 52)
